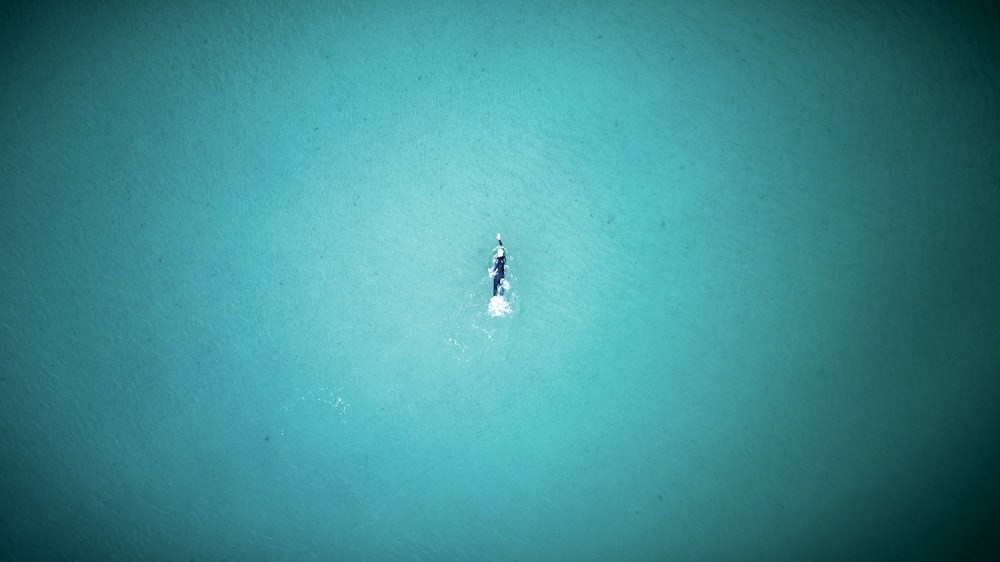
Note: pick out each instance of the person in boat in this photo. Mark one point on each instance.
(497, 271)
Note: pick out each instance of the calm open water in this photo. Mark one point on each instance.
(752, 249)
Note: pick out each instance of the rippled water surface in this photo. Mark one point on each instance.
(244, 311)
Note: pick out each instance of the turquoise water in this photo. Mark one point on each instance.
(752, 251)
